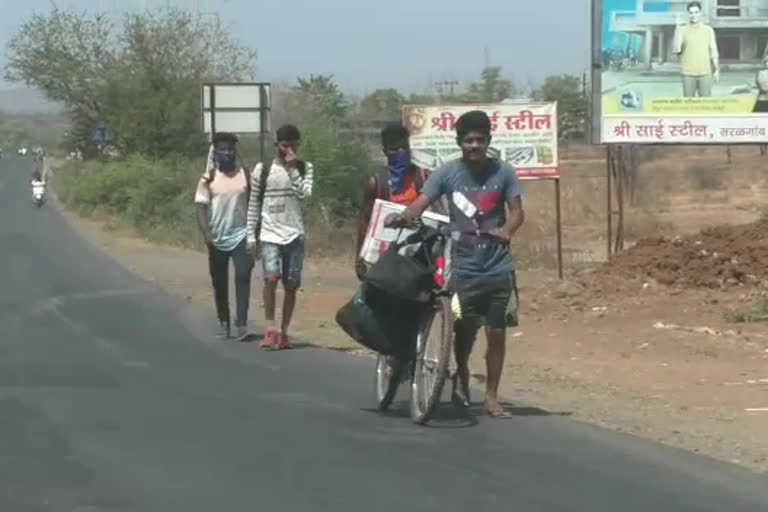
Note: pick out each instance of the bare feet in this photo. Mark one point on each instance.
(493, 409)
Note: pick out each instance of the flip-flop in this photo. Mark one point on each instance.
(498, 413)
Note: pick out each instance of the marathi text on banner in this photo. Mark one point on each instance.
(691, 130)
(524, 135)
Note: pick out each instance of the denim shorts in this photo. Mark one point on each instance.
(284, 262)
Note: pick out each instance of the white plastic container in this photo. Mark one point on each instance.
(378, 238)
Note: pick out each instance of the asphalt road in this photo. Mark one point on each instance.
(114, 398)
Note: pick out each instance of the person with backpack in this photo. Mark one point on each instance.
(276, 229)
(222, 206)
(399, 181)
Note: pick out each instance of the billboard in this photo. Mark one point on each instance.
(524, 135)
(677, 71)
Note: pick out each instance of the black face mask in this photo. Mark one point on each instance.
(225, 161)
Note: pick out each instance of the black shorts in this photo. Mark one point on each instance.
(491, 301)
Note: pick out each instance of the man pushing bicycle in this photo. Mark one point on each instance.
(486, 209)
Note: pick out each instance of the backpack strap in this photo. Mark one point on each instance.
(247, 174)
(210, 172)
(382, 183)
(246, 171)
(210, 175)
(266, 167)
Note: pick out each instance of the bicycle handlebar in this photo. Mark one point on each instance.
(425, 231)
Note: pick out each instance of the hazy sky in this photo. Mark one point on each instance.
(368, 44)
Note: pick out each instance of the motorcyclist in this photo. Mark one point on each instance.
(38, 177)
(38, 172)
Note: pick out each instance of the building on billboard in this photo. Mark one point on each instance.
(648, 29)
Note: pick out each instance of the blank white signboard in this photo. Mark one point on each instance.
(234, 104)
(235, 122)
(235, 96)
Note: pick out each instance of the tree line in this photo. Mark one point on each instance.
(140, 76)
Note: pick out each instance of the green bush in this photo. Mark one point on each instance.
(756, 313)
(341, 163)
(153, 197)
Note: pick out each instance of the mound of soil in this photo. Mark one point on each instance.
(718, 257)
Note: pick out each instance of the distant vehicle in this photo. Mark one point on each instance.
(38, 192)
(22, 151)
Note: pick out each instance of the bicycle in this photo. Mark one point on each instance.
(428, 368)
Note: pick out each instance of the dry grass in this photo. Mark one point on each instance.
(643, 223)
(582, 205)
(329, 239)
(706, 177)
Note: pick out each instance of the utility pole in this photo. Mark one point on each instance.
(450, 83)
(588, 102)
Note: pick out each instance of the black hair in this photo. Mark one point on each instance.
(224, 137)
(287, 132)
(693, 4)
(393, 133)
(473, 121)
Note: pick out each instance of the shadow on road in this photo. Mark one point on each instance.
(448, 416)
(258, 338)
(511, 410)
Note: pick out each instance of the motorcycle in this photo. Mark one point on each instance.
(38, 193)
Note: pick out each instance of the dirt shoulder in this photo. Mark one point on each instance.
(659, 363)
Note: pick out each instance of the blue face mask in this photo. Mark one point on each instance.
(398, 164)
(225, 161)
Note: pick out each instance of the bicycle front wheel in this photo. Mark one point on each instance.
(389, 375)
(433, 354)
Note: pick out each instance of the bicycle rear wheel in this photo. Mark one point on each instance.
(389, 375)
(433, 354)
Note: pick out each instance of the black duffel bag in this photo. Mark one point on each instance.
(380, 321)
(406, 277)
